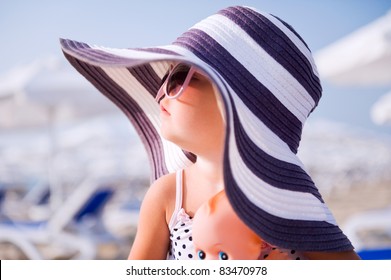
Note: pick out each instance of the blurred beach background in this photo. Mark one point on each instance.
(73, 172)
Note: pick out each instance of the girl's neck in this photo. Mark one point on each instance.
(210, 169)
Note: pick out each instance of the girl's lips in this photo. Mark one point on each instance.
(163, 110)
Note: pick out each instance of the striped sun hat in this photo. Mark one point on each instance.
(268, 83)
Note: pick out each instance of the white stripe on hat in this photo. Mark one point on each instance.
(174, 157)
(278, 202)
(160, 68)
(295, 40)
(277, 79)
(143, 98)
(144, 56)
(270, 143)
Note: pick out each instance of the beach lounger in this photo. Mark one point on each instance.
(75, 229)
(370, 233)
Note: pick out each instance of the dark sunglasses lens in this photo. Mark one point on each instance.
(177, 78)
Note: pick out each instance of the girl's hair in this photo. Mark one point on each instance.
(220, 102)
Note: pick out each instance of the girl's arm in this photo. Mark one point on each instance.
(152, 238)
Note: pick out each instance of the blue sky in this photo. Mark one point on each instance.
(31, 29)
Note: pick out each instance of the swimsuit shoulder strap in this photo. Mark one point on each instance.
(178, 196)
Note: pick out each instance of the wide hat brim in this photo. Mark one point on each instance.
(265, 181)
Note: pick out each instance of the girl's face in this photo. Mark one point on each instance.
(193, 121)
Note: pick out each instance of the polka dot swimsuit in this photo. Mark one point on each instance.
(181, 245)
(181, 241)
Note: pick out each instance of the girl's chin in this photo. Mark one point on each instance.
(169, 136)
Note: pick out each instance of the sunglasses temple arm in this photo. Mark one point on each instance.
(159, 95)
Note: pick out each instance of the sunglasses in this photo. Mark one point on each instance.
(175, 81)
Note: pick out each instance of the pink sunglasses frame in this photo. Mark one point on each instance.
(163, 89)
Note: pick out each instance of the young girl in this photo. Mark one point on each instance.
(190, 118)
(221, 108)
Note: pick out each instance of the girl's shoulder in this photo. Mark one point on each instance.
(165, 185)
(162, 193)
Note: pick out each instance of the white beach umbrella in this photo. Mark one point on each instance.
(46, 93)
(362, 58)
(381, 110)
